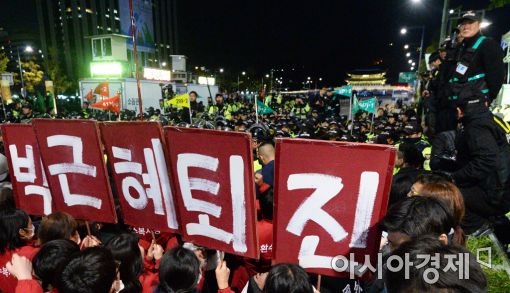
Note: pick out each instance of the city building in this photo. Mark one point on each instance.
(366, 77)
(69, 27)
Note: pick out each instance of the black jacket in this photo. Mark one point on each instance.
(488, 59)
(483, 156)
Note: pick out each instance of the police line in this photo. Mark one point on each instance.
(199, 183)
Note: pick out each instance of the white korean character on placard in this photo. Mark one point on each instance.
(76, 167)
(156, 178)
(187, 184)
(326, 188)
(28, 163)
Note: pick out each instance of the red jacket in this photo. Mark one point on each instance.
(7, 281)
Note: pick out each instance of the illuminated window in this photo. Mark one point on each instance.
(107, 46)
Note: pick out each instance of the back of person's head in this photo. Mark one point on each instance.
(412, 156)
(432, 178)
(6, 199)
(51, 258)
(432, 276)
(266, 204)
(400, 186)
(448, 192)
(452, 196)
(125, 249)
(419, 215)
(179, 271)
(287, 278)
(12, 222)
(58, 225)
(90, 271)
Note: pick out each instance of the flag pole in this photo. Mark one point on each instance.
(136, 58)
(189, 108)
(256, 110)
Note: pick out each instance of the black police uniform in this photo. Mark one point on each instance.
(483, 161)
(479, 70)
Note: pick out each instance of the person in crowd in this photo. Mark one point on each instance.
(16, 233)
(415, 216)
(437, 273)
(58, 225)
(480, 69)
(265, 179)
(179, 271)
(6, 199)
(124, 249)
(287, 278)
(482, 161)
(450, 194)
(220, 108)
(50, 260)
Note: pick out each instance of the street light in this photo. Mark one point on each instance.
(410, 61)
(408, 54)
(421, 43)
(267, 75)
(221, 70)
(163, 64)
(243, 73)
(416, 1)
(28, 49)
(403, 31)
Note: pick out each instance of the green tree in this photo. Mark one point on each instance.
(3, 61)
(53, 66)
(498, 3)
(32, 75)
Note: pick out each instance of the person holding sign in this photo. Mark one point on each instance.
(16, 231)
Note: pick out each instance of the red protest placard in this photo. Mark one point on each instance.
(215, 194)
(329, 197)
(137, 162)
(73, 159)
(25, 168)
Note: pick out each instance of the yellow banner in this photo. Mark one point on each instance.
(179, 101)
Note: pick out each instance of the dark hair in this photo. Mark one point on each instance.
(266, 204)
(433, 178)
(179, 271)
(218, 95)
(11, 221)
(400, 187)
(412, 156)
(448, 280)
(51, 258)
(287, 278)
(419, 215)
(58, 225)
(6, 199)
(90, 271)
(125, 249)
(193, 92)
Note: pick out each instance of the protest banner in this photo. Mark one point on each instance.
(73, 160)
(137, 161)
(29, 183)
(213, 175)
(327, 204)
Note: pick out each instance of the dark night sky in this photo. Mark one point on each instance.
(326, 38)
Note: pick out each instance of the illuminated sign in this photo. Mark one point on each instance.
(109, 69)
(156, 74)
(206, 80)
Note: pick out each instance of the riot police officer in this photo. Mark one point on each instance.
(479, 70)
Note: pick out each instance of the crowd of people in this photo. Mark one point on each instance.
(451, 180)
